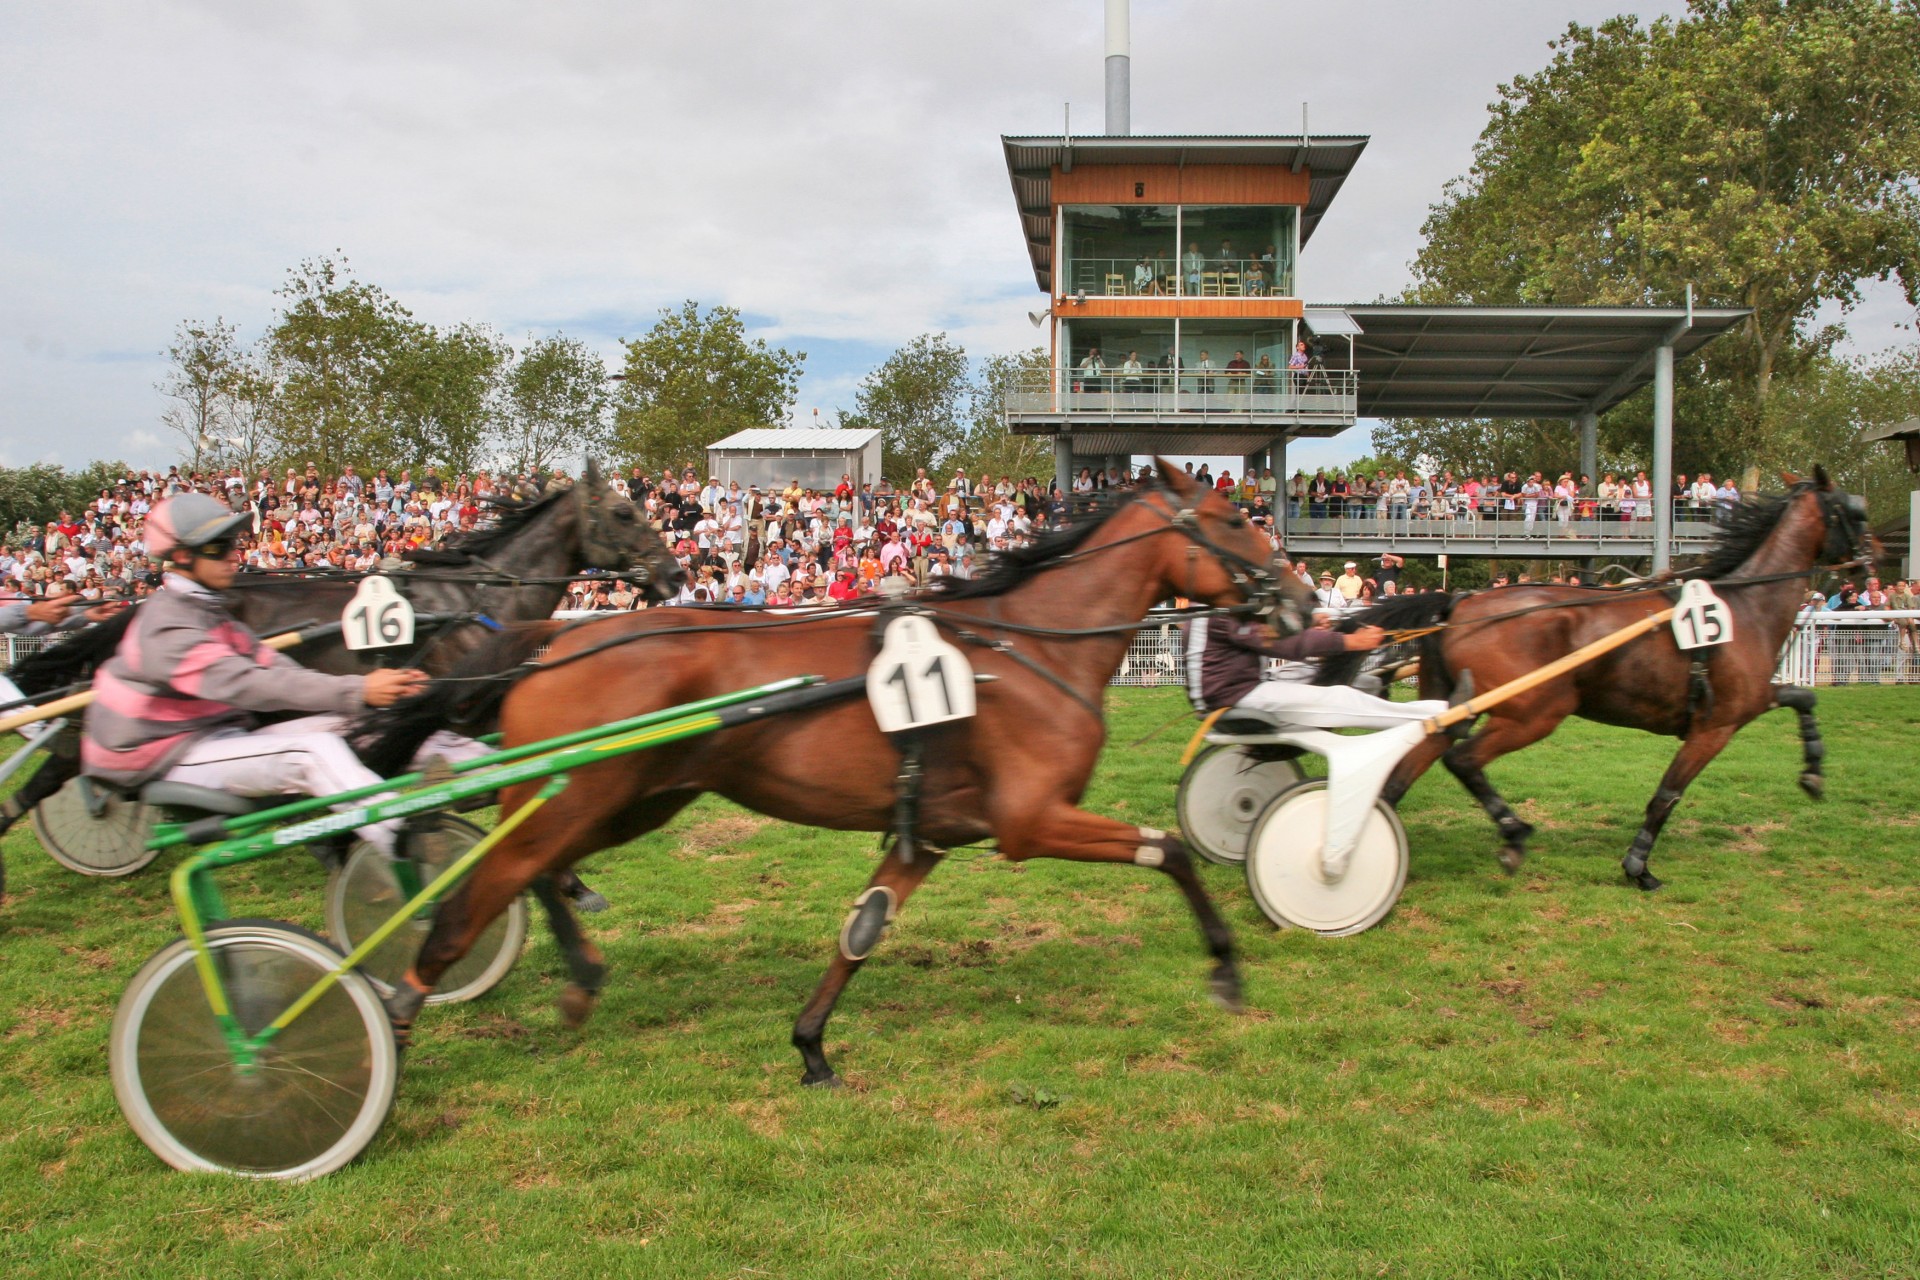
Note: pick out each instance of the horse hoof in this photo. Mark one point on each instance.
(1512, 858)
(1224, 988)
(1646, 881)
(1814, 785)
(575, 1005)
(828, 1081)
(592, 902)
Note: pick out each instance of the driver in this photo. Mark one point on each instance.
(182, 696)
(1224, 669)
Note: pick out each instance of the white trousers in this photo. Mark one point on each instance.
(1309, 706)
(307, 756)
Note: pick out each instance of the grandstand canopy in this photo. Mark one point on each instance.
(1507, 362)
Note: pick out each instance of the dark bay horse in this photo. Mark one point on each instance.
(1759, 567)
(1014, 773)
(515, 570)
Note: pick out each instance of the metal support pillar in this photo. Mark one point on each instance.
(1590, 446)
(1063, 464)
(1277, 459)
(1663, 457)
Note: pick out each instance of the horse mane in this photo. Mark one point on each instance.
(1006, 570)
(73, 657)
(1753, 519)
(515, 514)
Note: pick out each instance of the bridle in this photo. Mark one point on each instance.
(1257, 582)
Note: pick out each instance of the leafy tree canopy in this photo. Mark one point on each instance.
(695, 378)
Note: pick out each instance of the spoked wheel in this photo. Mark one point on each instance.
(1221, 794)
(1284, 871)
(317, 1093)
(113, 844)
(366, 891)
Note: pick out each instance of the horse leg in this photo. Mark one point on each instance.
(585, 965)
(876, 907)
(54, 773)
(1415, 763)
(1812, 749)
(577, 891)
(1468, 760)
(1695, 752)
(1078, 836)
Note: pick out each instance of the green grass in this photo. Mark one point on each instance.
(1541, 1074)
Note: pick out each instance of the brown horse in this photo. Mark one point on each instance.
(1048, 625)
(1759, 567)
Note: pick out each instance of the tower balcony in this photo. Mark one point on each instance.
(1258, 402)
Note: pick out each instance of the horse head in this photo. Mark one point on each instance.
(1229, 559)
(1849, 541)
(613, 535)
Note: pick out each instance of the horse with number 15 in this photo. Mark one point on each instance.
(1044, 627)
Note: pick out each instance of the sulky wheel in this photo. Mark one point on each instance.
(1284, 870)
(112, 844)
(317, 1092)
(1223, 792)
(366, 891)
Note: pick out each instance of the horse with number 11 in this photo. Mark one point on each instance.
(1013, 772)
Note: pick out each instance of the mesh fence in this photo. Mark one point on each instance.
(1853, 648)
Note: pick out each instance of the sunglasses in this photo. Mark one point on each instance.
(219, 550)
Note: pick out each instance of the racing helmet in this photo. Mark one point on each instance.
(191, 520)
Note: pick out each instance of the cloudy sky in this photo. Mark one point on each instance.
(831, 169)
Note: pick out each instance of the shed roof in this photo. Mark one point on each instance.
(792, 439)
(1031, 161)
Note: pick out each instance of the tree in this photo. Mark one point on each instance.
(918, 400)
(1764, 151)
(440, 387)
(696, 378)
(331, 351)
(989, 447)
(208, 368)
(31, 497)
(553, 405)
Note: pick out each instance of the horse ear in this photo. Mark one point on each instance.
(1168, 472)
(591, 477)
(1789, 479)
(1820, 478)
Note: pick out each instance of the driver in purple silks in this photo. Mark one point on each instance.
(1224, 669)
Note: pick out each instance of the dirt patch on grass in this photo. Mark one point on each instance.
(37, 1019)
(721, 837)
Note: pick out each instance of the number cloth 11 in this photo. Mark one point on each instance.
(918, 679)
(378, 616)
(1701, 619)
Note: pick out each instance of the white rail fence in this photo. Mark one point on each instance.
(1877, 647)
(1880, 647)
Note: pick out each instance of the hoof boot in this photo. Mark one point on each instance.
(1512, 858)
(828, 1081)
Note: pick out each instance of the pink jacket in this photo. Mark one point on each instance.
(186, 669)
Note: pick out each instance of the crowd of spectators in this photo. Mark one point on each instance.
(790, 545)
(300, 521)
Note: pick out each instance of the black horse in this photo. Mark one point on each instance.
(515, 570)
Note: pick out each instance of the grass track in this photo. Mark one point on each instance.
(1546, 1074)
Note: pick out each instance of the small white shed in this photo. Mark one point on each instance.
(815, 456)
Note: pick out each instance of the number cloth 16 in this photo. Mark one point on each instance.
(378, 616)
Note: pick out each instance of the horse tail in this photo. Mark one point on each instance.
(466, 700)
(1402, 613)
(74, 658)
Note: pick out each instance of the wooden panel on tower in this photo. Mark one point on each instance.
(1171, 184)
(1158, 308)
